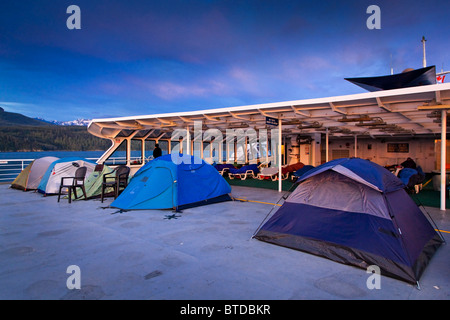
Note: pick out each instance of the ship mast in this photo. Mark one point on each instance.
(424, 54)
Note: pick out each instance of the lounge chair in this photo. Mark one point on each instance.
(290, 169)
(267, 173)
(224, 168)
(244, 172)
(272, 172)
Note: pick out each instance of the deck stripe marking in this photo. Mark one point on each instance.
(245, 200)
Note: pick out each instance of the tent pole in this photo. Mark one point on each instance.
(443, 156)
(279, 154)
(326, 145)
(356, 146)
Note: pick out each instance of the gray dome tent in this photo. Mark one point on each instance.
(355, 212)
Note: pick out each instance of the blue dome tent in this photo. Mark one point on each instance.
(355, 212)
(163, 184)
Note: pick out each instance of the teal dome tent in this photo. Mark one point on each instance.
(162, 184)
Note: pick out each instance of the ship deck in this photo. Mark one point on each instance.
(202, 253)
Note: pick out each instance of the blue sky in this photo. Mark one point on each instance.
(143, 57)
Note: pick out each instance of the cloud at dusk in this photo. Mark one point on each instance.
(141, 57)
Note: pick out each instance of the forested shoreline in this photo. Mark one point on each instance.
(49, 138)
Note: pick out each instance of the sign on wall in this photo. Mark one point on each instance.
(398, 147)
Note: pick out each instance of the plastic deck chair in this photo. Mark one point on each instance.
(75, 182)
(116, 179)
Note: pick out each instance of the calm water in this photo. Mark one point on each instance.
(10, 169)
(58, 154)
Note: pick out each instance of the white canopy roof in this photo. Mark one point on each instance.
(405, 112)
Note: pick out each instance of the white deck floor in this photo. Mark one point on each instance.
(205, 253)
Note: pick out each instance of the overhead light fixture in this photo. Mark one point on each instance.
(374, 122)
(315, 124)
(240, 125)
(356, 119)
(292, 122)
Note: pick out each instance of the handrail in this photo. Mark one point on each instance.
(11, 168)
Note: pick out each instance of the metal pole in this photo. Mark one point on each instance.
(227, 147)
(443, 156)
(235, 150)
(188, 141)
(356, 145)
(326, 145)
(201, 149)
(424, 53)
(128, 160)
(245, 150)
(279, 154)
(143, 151)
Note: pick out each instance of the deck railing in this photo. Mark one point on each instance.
(11, 168)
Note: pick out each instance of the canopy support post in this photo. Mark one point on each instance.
(279, 154)
(188, 141)
(443, 156)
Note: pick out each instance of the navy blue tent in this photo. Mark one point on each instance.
(163, 184)
(355, 212)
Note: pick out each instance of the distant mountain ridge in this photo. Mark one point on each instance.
(77, 122)
(17, 119)
(21, 133)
